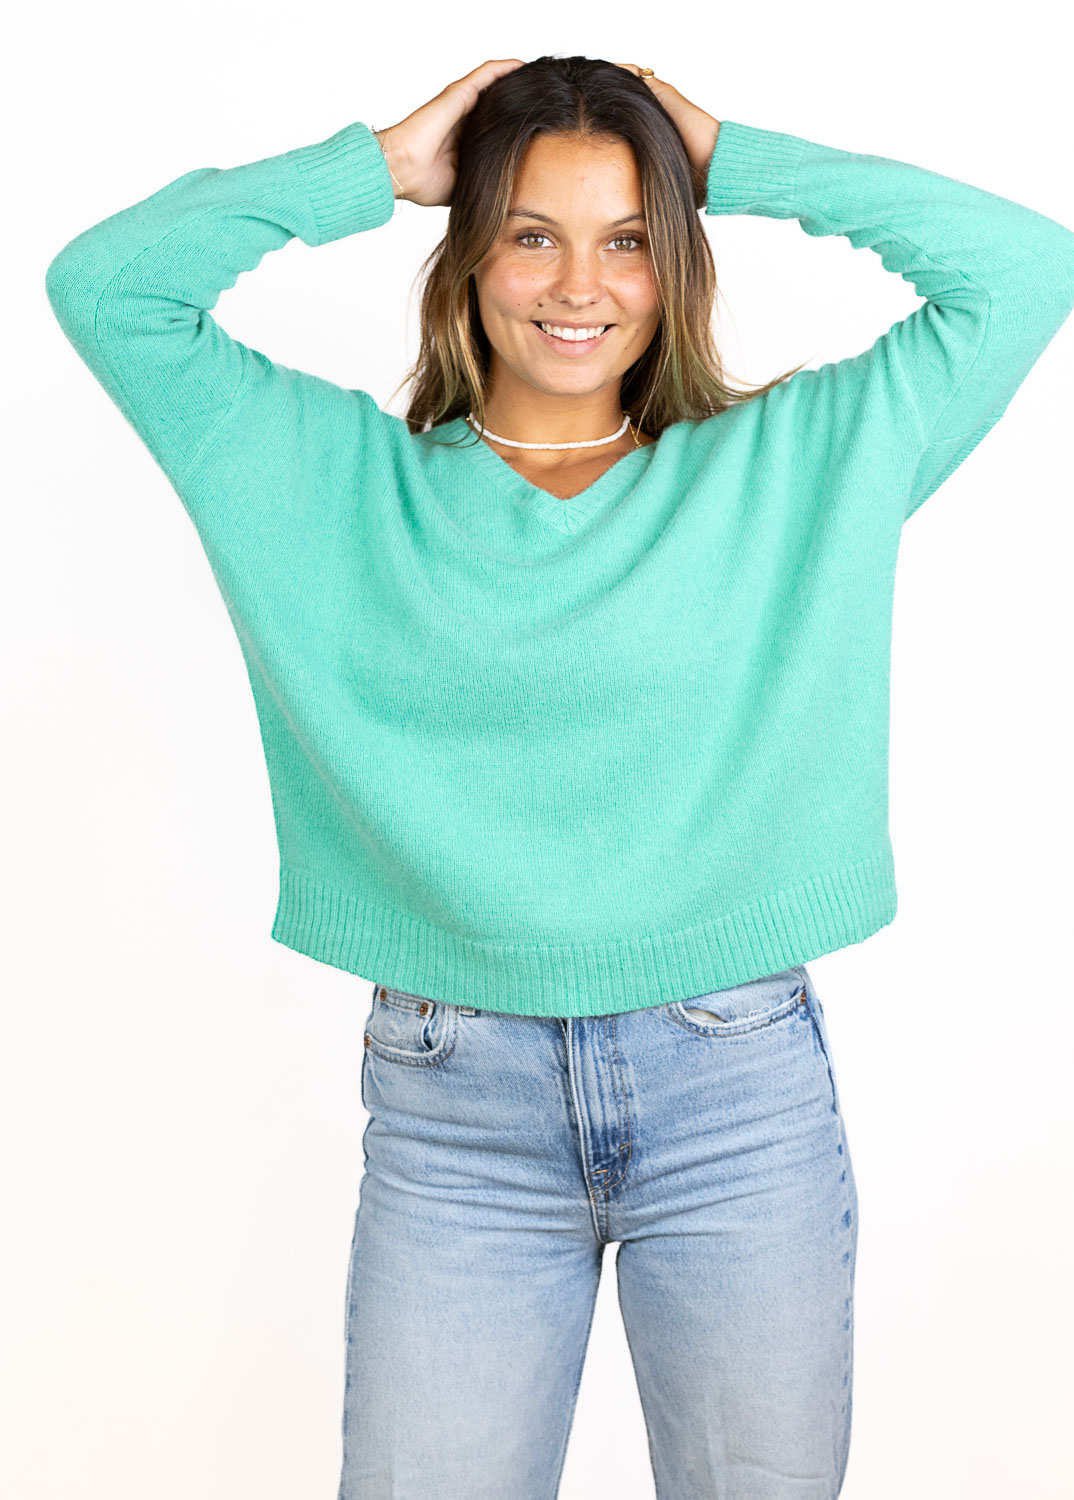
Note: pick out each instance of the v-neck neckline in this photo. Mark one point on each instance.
(607, 487)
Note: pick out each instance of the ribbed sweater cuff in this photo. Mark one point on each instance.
(348, 182)
(751, 167)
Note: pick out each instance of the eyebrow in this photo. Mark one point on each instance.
(531, 213)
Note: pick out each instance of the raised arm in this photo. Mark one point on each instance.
(133, 294)
(998, 277)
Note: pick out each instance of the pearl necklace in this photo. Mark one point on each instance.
(592, 443)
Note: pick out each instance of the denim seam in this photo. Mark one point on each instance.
(827, 1061)
(848, 1228)
(731, 1032)
(624, 1118)
(852, 1224)
(345, 1421)
(583, 1142)
(426, 1060)
(432, 1061)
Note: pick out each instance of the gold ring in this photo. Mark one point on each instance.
(646, 73)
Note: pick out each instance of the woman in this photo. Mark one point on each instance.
(573, 689)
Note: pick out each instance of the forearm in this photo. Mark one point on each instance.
(998, 277)
(133, 293)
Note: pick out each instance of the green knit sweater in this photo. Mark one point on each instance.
(567, 757)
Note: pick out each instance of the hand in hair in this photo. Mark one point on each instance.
(698, 129)
(421, 150)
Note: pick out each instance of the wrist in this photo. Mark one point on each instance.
(391, 160)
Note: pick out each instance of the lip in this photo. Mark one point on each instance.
(572, 350)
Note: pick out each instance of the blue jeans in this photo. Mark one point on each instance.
(503, 1152)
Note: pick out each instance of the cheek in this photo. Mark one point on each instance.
(637, 294)
(510, 287)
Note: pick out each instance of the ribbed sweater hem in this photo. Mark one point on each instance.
(830, 911)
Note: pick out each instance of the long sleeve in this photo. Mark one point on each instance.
(998, 279)
(133, 294)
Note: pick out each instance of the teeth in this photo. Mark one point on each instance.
(572, 335)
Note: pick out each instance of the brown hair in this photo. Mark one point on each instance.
(680, 375)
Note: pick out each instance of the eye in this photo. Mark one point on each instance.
(536, 234)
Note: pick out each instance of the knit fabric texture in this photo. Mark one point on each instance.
(567, 757)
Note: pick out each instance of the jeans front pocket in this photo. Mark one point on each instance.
(742, 1008)
(409, 1029)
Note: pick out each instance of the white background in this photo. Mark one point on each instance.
(179, 1094)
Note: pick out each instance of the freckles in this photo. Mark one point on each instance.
(519, 293)
(519, 282)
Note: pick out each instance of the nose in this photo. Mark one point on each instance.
(579, 283)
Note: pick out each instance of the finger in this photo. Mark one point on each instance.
(479, 78)
(636, 70)
(471, 85)
(496, 67)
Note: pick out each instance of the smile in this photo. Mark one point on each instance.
(572, 347)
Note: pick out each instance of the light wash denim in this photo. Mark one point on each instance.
(503, 1152)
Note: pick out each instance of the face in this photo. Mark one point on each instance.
(574, 250)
